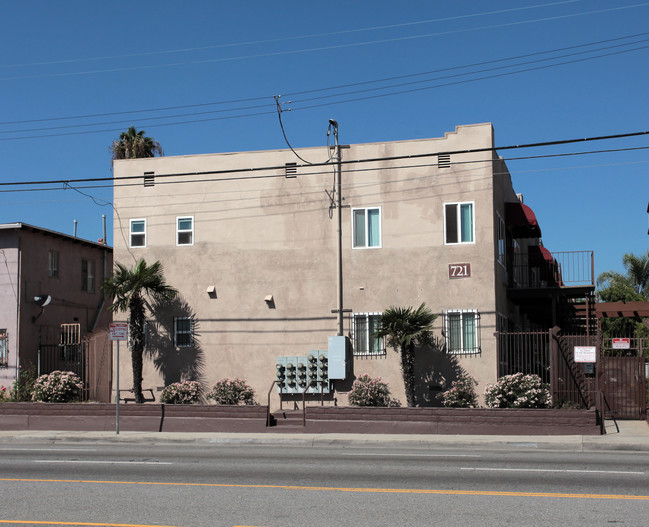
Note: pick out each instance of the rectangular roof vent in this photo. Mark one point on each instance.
(444, 161)
(290, 169)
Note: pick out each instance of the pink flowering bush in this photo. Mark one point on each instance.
(184, 392)
(232, 391)
(367, 391)
(4, 394)
(462, 393)
(57, 387)
(517, 391)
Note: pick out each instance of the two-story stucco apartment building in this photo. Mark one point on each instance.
(250, 241)
(49, 293)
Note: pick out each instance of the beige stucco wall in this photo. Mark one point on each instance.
(257, 235)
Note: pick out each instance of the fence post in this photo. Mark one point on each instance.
(554, 362)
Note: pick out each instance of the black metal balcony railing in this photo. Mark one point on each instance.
(542, 269)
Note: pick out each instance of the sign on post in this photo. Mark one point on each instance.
(118, 331)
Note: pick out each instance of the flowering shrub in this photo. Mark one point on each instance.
(367, 391)
(57, 387)
(4, 394)
(517, 391)
(232, 391)
(184, 392)
(461, 394)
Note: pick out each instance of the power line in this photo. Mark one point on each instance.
(255, 170)
(321, 48)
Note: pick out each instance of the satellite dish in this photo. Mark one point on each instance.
(42, 300)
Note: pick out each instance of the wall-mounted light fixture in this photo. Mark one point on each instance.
(211, 291)
(270, 301)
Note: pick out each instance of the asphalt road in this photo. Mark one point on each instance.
(86, 483)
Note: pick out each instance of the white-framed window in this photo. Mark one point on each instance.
(53, 264)
(365, 341)
(459, 224)
(185, 230)
(183, 332)
(462, 331)
(88, 276)
(366, 228)
(138, 233)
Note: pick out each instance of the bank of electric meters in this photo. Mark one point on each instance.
(294, 374)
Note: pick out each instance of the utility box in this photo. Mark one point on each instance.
(338, 357)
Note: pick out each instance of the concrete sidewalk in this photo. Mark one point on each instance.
(633, 436)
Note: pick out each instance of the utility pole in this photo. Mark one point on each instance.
(333, 124)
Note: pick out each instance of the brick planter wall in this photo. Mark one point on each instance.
(320, 419)
(486, 421)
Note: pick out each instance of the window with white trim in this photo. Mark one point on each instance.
(138, 233)
(183, 332)
(462, 331)
(366, 228)
(185, 230)
(365, 327)
(459, 225)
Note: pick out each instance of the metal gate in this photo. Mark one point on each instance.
(90, 357)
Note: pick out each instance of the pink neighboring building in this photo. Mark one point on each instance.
(49, 290)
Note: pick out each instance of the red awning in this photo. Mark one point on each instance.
(521, 221)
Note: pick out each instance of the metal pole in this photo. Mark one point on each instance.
(117, 393)
(339, 204)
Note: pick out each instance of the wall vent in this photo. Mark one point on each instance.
(290, 169)
(444, 161)
(149, 179)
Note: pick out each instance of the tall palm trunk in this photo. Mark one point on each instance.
(136, 330)
(408, 372)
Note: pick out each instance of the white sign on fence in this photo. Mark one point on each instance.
(118, 331)
(585, 354)
(621, 344)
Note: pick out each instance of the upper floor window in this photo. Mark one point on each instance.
(88, 276)
(366, 228)
(462, 331)
(365, 340)
(459, 226)
(183, 336)
(53, 264)
(138, 233)
(185, 230)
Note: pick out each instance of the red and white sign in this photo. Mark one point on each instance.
(621, 344)
(118, 331)
(585, 354)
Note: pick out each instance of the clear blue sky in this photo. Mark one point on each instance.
(79, 58)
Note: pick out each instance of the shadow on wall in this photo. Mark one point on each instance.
(435, 370)
(176, 361)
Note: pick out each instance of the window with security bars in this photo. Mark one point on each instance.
(183, 332)
(462, 331)
(4, 349)
(365, 327)
(70, 342)
(53, 264)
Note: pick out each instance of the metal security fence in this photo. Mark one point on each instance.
(90, 358)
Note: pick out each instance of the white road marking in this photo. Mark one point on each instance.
(369, 454)
(102, 462)
(571, 471)
(48, 449)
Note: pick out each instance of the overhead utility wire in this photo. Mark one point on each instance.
(344, 161)
(283, 39)
(354, 99)
(308, 50)
(340, 86)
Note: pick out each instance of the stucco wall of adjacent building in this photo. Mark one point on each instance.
(28, 324)
(259, 233)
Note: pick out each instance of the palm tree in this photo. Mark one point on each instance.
(635, 281)
(129, 289)
(403, 328)
(133, 145)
